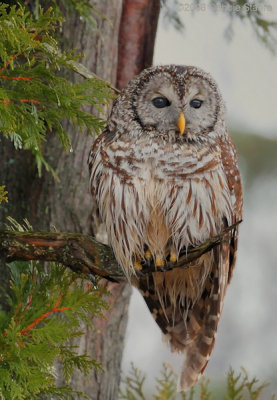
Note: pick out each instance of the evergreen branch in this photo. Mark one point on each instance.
(43, 316)
(85, 73)
(83, 254)
(79, 68)
(238, 386)
(30, 63)
(3, 194)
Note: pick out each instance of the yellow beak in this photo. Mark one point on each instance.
(181, 123)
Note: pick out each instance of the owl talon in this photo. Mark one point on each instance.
(137, 265)
(159, 262)
(147, 255)
(173, 257)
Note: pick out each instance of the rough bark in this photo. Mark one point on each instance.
(67, 204)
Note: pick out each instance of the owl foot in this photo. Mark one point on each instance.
(148, 257)
(159, 262)
(173, 257)
(137, 265)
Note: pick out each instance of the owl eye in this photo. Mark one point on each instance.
(196, 103)
(161, 102)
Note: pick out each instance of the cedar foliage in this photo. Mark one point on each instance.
(3, 194)
(46, 310)
(37, 94)
(238, 386)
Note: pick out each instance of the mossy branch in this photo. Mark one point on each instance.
(83, 254)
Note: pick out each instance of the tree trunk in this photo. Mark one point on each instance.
(67, 204)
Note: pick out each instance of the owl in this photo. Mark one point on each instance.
(165, 176)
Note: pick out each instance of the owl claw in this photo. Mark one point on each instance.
(173, 257)
(137, 265)
(147, 254)
(148, 257)
(159, 262)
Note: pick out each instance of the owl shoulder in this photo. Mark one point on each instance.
(100, 142)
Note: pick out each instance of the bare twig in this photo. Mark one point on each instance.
(79, 68)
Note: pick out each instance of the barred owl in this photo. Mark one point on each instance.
(165, 177)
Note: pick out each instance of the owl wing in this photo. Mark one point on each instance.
(96, 161)
(230, 164)
(190, 324)
(98, 177)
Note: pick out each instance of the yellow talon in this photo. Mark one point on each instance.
(159, 262)
(147, 254)
(137, 265)
(173, 257)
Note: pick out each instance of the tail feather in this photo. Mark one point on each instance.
(188, 317)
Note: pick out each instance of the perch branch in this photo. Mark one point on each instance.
(83, 254)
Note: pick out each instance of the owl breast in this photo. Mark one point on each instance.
(160, 197)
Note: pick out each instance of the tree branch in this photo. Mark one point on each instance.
(83, 254)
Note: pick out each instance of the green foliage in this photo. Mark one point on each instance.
(166, 387)
(3, 194)
(238, 387)
(46, 310)
(87, 11)
(254, 12)
(37, 94)
(34, 97)
(133, 383)
(241, 387)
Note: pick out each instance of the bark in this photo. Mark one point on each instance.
(137, 35)
(67, 204)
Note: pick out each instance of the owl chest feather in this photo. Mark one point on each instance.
(161, 197)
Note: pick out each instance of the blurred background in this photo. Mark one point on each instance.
(245, 71)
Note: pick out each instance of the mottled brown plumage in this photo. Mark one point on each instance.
(164, 174)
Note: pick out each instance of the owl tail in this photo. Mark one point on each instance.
(186, 305)
(204, 318)
(197, 353)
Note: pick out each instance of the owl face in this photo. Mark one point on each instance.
(176, 102)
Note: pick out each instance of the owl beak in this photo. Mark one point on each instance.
(181, 123)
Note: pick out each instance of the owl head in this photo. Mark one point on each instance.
(176, 103)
